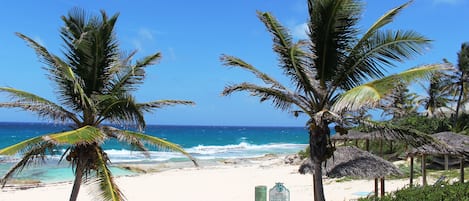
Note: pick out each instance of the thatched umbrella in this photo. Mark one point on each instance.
(456, 145)
(353, 135)
(354, 162)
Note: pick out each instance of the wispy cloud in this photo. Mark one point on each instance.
(299, 31)
(452, 2)
(144, 36)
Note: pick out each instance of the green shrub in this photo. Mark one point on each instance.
(442, 192)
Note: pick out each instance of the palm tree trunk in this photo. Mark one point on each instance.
(319, 152)
(461, 93)
(77, 182)
(317, 181)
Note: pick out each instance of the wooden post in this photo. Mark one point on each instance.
(446, 161)
(381, 148)
(424, 171)
(356, 143)
(376, 188)
(411, 171)
(461, 166)
(367, 145)
(382, 187)
(390, 142)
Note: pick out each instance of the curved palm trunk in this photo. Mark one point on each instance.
(78, 181)
(319, 152)
(461, 93)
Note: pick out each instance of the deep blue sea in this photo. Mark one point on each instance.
(202, 142)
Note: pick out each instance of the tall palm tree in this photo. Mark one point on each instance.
(462, 77)
(329, 71)
(438, 95)
(94, 84)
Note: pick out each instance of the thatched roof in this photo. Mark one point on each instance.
(351, 135)
(354, 162)
(458, 145)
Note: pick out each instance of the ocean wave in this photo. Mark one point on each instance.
(200, 152)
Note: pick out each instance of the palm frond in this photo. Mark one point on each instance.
(371, 93)
(121, 109)
(36, 150)
(237, 62)
(332, 27)
(128, 77)
(131, 137)
(81, 136)
(34, 103)
(387, 18)
(290, 54)
(383, 49)
(149, 106)
(109, 189)
(415, 138)
(134, 142)
(281, 99)
(70, 86)
(22, 146)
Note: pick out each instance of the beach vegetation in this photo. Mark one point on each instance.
(94, 82)
(337, 69)
(438, 192)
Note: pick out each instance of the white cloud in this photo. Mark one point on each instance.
(145, 34)
(452, 2)
(300, 31)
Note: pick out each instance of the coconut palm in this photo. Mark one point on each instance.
(438, 96)
(330, 69)
(94, 84)
(462, 77)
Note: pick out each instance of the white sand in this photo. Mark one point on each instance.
(213, 183)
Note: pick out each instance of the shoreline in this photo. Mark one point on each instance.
(227, 180)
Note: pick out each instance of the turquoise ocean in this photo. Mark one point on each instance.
(202, 142)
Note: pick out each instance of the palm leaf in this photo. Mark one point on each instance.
(371, 93)
(332, 31)
(387, 18)
(131, 137)
(281, 99)
(149, 106)
(290, 54)
(42, 106)
(36, 149)
(22, 146)
(120, 110)
(109, 189)
(237, 62)
(70, 85)
(81, 136)
(128, 77)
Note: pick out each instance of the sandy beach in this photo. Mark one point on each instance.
(226, 181)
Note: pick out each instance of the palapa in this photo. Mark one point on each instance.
(354, 162)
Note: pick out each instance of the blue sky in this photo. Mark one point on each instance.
(191, 36)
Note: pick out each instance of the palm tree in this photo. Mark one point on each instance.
(94, 84)
(462, 76)
(438, 96)
(329, 70)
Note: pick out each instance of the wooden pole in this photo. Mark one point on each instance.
(411, 171)
(381, 148)
(367, 145)
(446, 161)
(376, 188)
(424, 171)
(356, 143)
(461, 166)
(382, 187)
